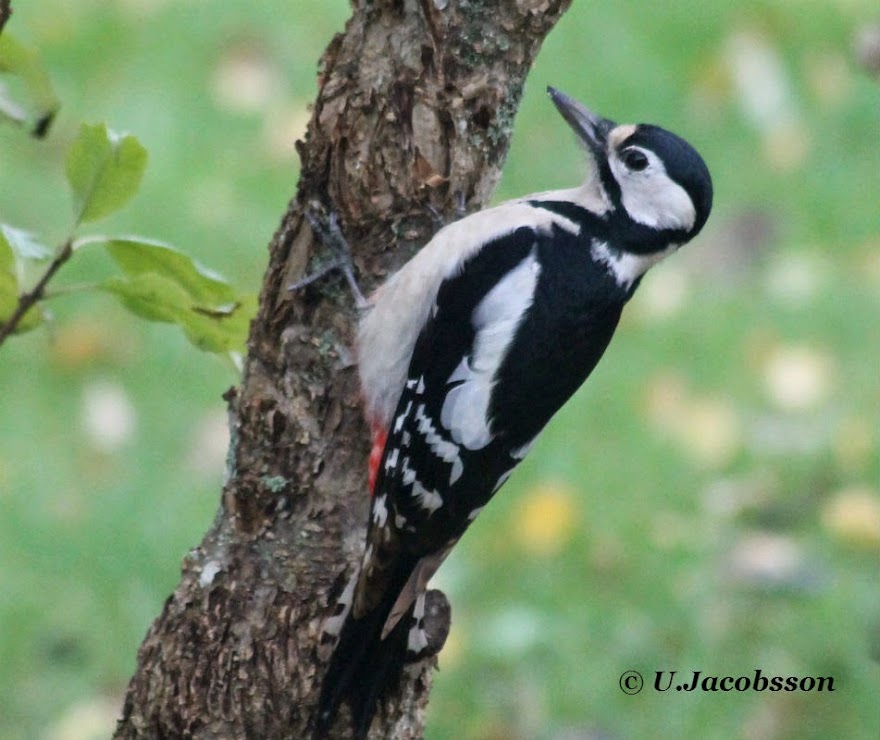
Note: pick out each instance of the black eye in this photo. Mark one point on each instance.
(634, 159)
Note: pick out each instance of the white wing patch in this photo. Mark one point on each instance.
(502, 480)
(416, 640)
(446, 451)
(496, 318)
(520, 452)
(430, 501)
(409, 475)
(391, 459)
(333, 625)
(401, 417)
(380, 510)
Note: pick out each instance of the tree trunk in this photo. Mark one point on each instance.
(415, 108)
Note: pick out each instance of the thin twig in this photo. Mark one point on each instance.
(27, 300)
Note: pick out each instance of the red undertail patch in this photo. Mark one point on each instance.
(380, 436)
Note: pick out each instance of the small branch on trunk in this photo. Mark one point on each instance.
(26, 301)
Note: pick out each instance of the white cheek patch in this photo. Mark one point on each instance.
(652, 198)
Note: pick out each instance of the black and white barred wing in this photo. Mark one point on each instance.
(443, 458)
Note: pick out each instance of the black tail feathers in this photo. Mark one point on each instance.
(363, 668)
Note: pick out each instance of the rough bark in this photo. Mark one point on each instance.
(415, 107)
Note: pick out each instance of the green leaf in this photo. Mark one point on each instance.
(9, 290)
(104, 170)
(161, 283)
(150, 296)
(138, 256)
(7, 256)
(223, 333)
(22, 244)
(25, 63)
(8, 294)
(156, 297)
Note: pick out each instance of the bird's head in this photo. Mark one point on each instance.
(658, 186)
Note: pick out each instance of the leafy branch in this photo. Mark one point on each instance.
(104, 171)
(156, 282)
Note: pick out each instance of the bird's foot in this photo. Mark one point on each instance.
(325, 227)
(460, 210)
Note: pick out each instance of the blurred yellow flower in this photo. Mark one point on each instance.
(708, 428)
(283, 125)
(88, 719)
(246, 78)
(665, 296)
(798, 377)
(853, 515)
(854, 443)
(545, 519)
(766, 558)
(768, 98)
(665, 397)
(711, 432)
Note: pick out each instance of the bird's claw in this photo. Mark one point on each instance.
(325, 227)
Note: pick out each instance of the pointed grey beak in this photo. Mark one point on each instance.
(593, 130)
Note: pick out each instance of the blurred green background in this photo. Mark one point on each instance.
(709, 501)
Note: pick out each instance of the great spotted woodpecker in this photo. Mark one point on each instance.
(466, 354)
